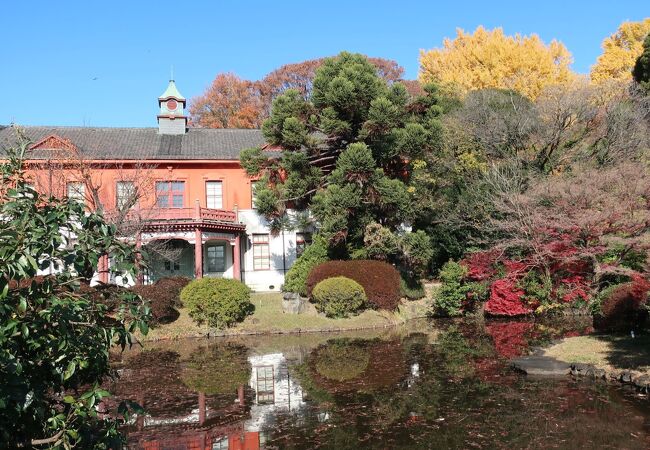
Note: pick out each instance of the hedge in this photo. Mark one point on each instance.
(380, 280)
(338, 296)
(221, 302)
(623, 305)
(161, 301)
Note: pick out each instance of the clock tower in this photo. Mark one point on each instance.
(172, 118)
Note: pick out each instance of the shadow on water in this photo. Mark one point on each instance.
(426, 385)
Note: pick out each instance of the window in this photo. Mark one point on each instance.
(126, 195)
(302, 241)
(170, 194)
(220, 443)
(172, 265)
(77, 191)
(216, 258)
(261, 254)
(265, 385)
(214, 194)
(255, 185)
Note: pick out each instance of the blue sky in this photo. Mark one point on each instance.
(104, 63)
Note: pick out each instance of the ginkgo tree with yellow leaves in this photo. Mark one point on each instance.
(620, 52)
(491, 59)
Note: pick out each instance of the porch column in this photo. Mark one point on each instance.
(102, 269)
(236, 265)
(198, 254)
(138, 260)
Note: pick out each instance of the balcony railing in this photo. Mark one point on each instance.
(219, 215)
(197, 214)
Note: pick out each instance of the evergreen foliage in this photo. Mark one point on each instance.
(219, 302)
(338, 297)
(55, 336)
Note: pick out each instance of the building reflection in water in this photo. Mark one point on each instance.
(179, 418)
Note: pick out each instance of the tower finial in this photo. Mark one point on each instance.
(172, 73)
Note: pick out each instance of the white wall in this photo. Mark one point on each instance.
(272, 279)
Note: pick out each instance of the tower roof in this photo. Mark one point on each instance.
(171, 92)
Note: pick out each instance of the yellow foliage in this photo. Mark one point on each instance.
(490, 59)
(620, 52)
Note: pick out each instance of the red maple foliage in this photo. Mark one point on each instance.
(480, 265)
(506, 299)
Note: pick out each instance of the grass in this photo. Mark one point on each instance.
(269, 318)
(614, 353)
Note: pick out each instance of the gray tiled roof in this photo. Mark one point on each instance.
(142, 143)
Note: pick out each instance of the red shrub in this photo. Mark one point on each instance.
(161, 301)
(173, 285)
(624, 306)
(380, 280)
(506, 299)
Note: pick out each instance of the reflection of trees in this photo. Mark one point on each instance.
(217, 369)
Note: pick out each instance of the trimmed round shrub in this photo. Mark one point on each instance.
(219, 302)
(380, 280)
(338, 296)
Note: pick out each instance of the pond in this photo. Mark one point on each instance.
(428, 384)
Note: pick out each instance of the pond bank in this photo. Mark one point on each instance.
(618, 358)
(268, 318)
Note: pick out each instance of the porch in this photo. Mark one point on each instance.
(193, 242)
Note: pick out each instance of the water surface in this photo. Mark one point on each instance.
(426, 385)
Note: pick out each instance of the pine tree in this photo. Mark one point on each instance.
(641, 71)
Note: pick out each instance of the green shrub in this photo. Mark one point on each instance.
(338, 296)
(538, 287)
(296, 278)
(411, 289)
(448, 298)
(220, 302)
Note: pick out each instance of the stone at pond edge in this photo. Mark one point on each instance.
(540, 366)
(293, 303)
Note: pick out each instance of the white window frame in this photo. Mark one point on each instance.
(261, 251)
(214, 194)
(76, 190)
(122, 196)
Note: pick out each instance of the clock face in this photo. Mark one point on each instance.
(171, 105)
